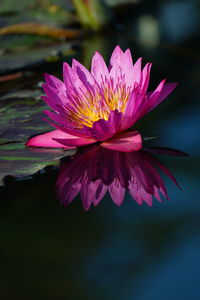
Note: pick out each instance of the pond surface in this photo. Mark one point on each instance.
(131, 251)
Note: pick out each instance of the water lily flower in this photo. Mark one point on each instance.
(96, 170)
(101, 105)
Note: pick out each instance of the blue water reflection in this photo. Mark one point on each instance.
(95, 170)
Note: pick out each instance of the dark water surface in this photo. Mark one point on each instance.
(127, 252)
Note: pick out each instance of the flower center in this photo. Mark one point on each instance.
(85, 108)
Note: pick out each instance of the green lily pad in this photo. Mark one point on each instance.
(54, 12)
(10, 5)
(47, 23)
(19, 60)
(21, 117)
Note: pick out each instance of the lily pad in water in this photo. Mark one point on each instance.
(20, 117)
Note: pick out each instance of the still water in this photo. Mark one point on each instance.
(119, 252)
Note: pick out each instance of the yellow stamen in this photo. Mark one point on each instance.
(87, 109)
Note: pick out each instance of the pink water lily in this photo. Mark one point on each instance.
(101, 105)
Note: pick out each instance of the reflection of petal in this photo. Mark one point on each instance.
(96, 170)
(168, 151)
(68, 192)
(117, 192)
(164, 169)
(125, 142)
(139, 194)
(100, 192)
(92, 192)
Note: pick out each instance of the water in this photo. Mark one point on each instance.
(131, 251)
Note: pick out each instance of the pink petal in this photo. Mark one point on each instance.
(115, 119)
(161, 92)
(132, 111)
(116, 74)
(69, 76)
(138, 104)
(167, 89)
(124, 142)
(57, 89)
(101, 130)
(117, 56)
(83, 132)
(137, 70)
(105, 129)
(58, 118)
(48, 140)
(128, 58)
(124, 69)
(99, 69)
(145, 77)
(73, 83)
(55, 82)
(54, 99)
(83, 73)
(75, 142)
(153, 96)
(66, 126)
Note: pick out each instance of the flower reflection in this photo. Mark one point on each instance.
(96, 170)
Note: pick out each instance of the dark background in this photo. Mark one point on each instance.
(128, 252)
